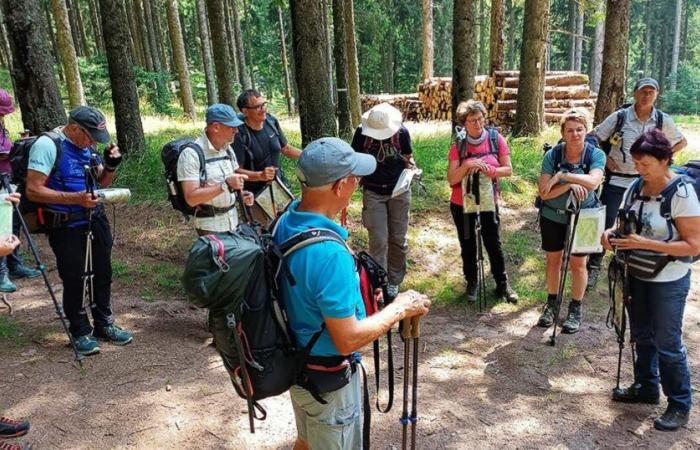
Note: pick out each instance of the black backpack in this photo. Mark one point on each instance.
(19, 160)
(621, 112)
(246, 138)
(170, 155)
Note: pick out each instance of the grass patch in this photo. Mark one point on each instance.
(686, 119)
(563, 354)
(10, 331)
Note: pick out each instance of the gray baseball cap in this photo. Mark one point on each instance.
(330, 159)
(644, 82)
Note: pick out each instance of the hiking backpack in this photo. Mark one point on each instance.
(235, 275)
(170, 154)
(621, 115)
(493, 145)
(246, 138)
(33, 213)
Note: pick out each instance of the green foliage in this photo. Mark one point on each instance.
(95, 78)
(9, 330)
(686, 98)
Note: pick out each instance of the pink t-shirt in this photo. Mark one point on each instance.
(5, 147)
(489, 158)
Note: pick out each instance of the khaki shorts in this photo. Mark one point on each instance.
(336, 425)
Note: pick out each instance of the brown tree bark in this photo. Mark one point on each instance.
(244, 77)
(483, 38)
(345, 128)
(529, 118)
(151, 35)
(5, 44)
(232, 47)
(612, 83)
(497, 45)
(136, 42)
(328, 46)
(87, 50)
(207, 61)
(675, 51)
(75, 30)
(54, 44)
(69, 59)
(180, 58)
(285, 62)
(221, 53)
(96, 27)
(310, 44)
(36, 88)
(143, 35)
(353, 71)
(428, 40)
(122, 79)
(596, 64)
(463, 53)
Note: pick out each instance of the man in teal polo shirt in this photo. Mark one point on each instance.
(327, 291)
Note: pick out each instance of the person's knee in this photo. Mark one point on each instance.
(578, 265)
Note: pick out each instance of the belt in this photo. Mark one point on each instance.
(205, 211)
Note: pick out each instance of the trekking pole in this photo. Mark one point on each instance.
(410, 331)
(245, 377)
(479, 248)
(40, 266)
(88, 275)
(571, 223)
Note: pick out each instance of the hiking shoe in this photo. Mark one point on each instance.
(547, 318)
(593, 274)
(472, 288)
(10, 428)
(634, 394)
(87, 345)
(573, 320)
(8, 446)
(114, 334)
(22, 271)
(671, 420)
(392, 290)
(505, 292)
(6, 285)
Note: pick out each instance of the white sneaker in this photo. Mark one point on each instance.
(392, 290)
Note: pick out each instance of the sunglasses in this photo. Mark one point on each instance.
(258, 107)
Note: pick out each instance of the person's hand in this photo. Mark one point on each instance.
(605, 240)
(579, 191)
(630, 242)
(414, 303)
(556, 178)
(490, 171)
(112, 157)
(13, 197)
(611, 165)
(235, 182)
(269, 173)
(248, 198)
(86, 200)
(8, 244)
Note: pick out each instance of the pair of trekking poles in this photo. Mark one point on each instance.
(473, 188)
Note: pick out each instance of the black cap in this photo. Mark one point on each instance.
(92, 121)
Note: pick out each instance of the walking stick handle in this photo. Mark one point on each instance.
(410, 327)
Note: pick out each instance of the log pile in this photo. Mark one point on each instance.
(499, 93)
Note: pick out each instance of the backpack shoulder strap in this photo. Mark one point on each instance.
(309, 237)
(558, 156)
(202, 162)
(587, 157)
(367, 144)
(493, 140)
(58, 143)
(395, 142)
(462, 149)
(272, 121)
(659, 119)
(621, 116)
(633, 193)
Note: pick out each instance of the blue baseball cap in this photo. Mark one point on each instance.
(330, 159)
(223, 114)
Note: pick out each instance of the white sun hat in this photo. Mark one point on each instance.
(381, 121)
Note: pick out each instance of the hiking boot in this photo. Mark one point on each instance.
(547, 318)
(114, 334)
(505, 292)
(593, 274)
(573, 319)
(392, 290)
(634, 394)
(671, 420)
(8, 446)
(472, 288)
(6, 285)
(22, 271)
(10, 428)
(87, 345)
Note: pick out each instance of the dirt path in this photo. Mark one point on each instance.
(486, 381)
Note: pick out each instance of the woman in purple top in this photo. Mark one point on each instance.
(16, 268)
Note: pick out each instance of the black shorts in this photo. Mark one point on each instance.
(553, 235)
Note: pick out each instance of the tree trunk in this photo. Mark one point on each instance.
(341, 70)
(217, 27)
(310, 44)
(136, 43)
(529, 118)
(484, 25)
(647, 53)
(328, 46)
(285, 62)
(87, 51)
(428, 47)
(612, 83)
(96, 27)
(207, 61)
(243, 73)
(463, 53)
(178, 43)
(573, 16)
(231, 38)
(162, 39)
(143, 35)
(5, 44)
(684, 34)
(597, 54)
(54, 44)
(151, 35)
(36, 87)
(676, 45)
(353, 72)
(67, 52)
(74, 27)
(578, 43)
(388, 62)
(512, 30)
(122, 79)
(497, 44)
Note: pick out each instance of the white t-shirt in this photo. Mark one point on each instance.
(683, 204)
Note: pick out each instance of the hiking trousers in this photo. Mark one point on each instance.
(68, 244)
(386, 220)
(656, 322)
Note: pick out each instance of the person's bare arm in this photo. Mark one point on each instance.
(680, 145)
(349, 334)
(38, 192)
(268, 174)
(590, 181)
(506, 168)
(196, 195)
(291, 152)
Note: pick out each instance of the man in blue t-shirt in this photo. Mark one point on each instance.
(59, 185)
(327, 292)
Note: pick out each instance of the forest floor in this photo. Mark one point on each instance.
(487, 380)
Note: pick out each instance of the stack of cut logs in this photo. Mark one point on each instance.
(499, 93)
(408, 104)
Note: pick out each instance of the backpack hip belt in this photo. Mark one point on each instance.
(206, 211)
